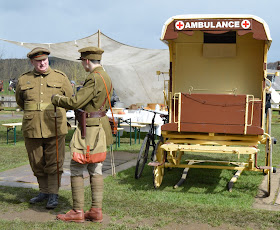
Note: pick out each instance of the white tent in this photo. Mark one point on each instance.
(275, 98)
(132, 69)
(273, 76)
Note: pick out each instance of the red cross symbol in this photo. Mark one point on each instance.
(245, 24)
(179, 25)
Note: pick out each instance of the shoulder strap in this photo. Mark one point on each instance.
(108, 96)
(106, 89)
(58, 71)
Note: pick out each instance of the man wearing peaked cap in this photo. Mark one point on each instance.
(91, 53)
(38, 53)
(33, 95)
(94, 132)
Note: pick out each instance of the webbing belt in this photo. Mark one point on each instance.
(38, 106)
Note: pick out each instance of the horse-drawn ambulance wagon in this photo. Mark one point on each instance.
(217, 94)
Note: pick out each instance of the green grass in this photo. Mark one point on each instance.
(202, 198)
(131, 204)
(125, 143)
(3, 130)
(12, 156)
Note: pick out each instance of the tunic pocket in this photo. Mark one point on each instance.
(28, 91)
(55, 87)
(27, 121)
(51, 117)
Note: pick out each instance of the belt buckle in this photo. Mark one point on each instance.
(38, 106)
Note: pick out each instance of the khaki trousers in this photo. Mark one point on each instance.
(43, 161)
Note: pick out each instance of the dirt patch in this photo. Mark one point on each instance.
(28, 215)
(41, 215)
(272, 202)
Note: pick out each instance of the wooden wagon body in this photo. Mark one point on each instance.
(217, 92)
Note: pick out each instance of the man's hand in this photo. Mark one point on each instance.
(55, 99)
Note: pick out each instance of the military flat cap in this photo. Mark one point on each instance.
(38, 53)
(91, 53)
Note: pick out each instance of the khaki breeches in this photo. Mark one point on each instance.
(77, 169)
(42, 154)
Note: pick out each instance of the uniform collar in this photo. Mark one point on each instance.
(49, 70)
(97, 68)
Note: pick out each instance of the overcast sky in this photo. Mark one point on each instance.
(136, 23)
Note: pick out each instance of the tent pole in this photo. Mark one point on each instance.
(99, 44)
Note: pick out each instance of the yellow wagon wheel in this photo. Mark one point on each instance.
(159, 170)
(268, 150)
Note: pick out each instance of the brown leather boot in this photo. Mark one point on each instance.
(94, 214)
(72, 216)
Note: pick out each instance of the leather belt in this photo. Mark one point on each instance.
(96, 114)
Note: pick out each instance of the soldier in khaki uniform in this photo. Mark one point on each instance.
(93, 134)
(33, 95)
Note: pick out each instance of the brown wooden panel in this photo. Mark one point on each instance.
(217, 113)
(213, 108)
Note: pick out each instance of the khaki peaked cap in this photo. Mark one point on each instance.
(38, 53)
(91, 53)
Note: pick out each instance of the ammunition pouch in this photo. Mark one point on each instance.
(114, 126)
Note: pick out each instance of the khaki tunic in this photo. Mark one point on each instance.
(33, 94)
(90, 99)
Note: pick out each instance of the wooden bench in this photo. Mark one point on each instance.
(118, 138)
(148, 123)
(137, 127)
(12, 126)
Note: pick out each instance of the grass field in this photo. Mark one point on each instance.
(135, 204)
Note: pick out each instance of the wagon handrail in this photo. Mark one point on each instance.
(247, 112)
(179, 110)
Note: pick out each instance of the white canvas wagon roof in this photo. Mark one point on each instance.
(217, 16)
